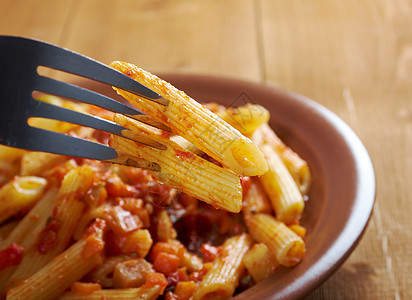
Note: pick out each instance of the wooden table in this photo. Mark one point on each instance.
(354, 57)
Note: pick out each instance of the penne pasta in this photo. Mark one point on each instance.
(285, 244)
(256, 200)
(286, 199)
(297, 167)
(36, 217)
(260, 262)
(57, 232)
(299, 230)
(195, 123)
(178, 167)
(19, 194)
(221, 280)
(37, 163)
(26, 232)
(245, 118)
(54, 278)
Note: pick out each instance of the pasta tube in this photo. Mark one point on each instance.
(260, 262)
(285, 244)
(222, 279)
(297, 167)
(245, 118)
(56, 233)
(20, 193)
(37, 163)
(66, 268)
(286, 199)
(178, 167)
(36, 217)
(26, 232)
(256, 200)
(195, 123)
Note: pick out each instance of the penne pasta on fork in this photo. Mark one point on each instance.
(195, 123)
(216, 185)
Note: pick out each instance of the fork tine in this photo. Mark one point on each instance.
(64, 89)
(55, 142)
(71, 62)
(46, 110)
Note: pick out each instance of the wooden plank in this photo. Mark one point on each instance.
(355, 57)
(41, 19)
(209, 37)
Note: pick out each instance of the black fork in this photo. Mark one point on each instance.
(20, 59)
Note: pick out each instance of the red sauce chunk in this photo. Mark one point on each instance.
(93, 246)
(184, 154)
(209, 252)
(98, 226)
(154, 278)
(48, 236)
(166, 263)
(11, 256)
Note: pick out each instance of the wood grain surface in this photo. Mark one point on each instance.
(354, 57)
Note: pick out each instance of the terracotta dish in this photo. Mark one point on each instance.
(342, 194)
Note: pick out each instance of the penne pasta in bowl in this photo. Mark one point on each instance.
(222, 215)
